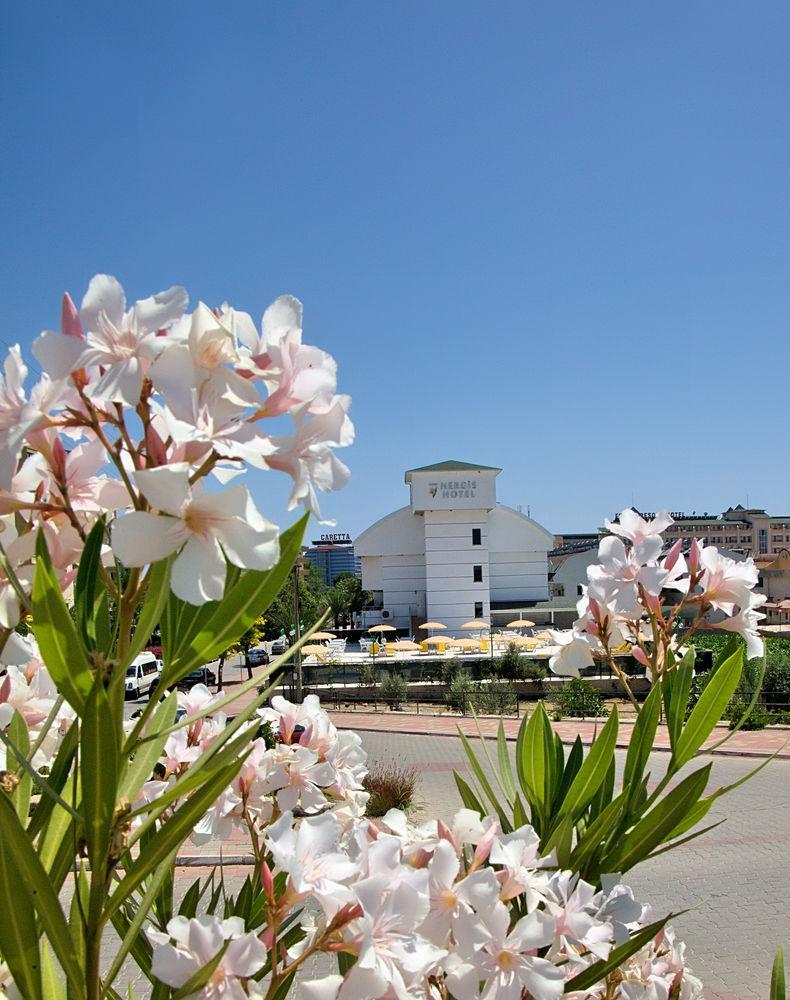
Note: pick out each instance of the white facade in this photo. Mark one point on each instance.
(453, 550)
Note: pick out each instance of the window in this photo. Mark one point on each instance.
(763, 540)
(478, 609)
(477, 536)
(579, 590)
(477, 574)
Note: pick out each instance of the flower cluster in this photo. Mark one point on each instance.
(306, 767)
(27, 688)
(433, 911)
(165, 398)
(630, 588)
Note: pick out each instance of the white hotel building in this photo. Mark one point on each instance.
(453, 553)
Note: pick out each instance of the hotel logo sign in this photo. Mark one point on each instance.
(453, 489)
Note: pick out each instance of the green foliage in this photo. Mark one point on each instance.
(572, 797)
(393, 689)
(451, 668)
(391, 786)
(513, 666)
(280, 613)
(369, 675)
(459, 691)
(494, 698)
(579, 699)
(344, 598)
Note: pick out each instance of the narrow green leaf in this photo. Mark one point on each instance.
(156, 594)
(531, 761)
(171, 834)
(18, 732)
(599, 970)
(98, 775)
(468, 797)
(596, 833)
(52, 983)
(58, 774)
(485, 784)
(146, 755)
(593, 771)
(603, 796)
(662, 819)
(58, 640)
(88, 584)
(758, 687)
(505, 767)
(642, 738)
(778, 983)
(560, 840)
(19, 944)
(36, 886)
(245, 601)
(570, 770)
(708, 710)
(676, 695)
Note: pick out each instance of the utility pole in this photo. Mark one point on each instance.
(297, 631)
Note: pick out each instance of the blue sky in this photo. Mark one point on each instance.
(552, 238)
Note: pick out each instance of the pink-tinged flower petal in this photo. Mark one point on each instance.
(282, 317)
(121, 383)
(321, 989)
(199, 571)
(172, 966)
(166, 488)
(58, 355)
(104, 295)
(245, 956)
(140, 537)
(160, 310)
(250, 545)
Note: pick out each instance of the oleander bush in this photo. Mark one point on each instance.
(393, 689)
(579, 699)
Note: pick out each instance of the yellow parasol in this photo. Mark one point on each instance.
(382, 628)
(406, 646)
(315, 650)
(429, 625)
(466, 643)
(323, 635)
(436, 640)
(521, 623)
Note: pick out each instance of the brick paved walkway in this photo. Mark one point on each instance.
(760, 743)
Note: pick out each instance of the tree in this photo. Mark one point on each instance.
(344, 598)
(280, 614)
(243, 644)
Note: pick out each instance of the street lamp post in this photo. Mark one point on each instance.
(297, 632)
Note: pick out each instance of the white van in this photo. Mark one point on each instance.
(142, 675)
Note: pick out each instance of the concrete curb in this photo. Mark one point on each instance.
(567, 741)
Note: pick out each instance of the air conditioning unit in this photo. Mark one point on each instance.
(385, 614)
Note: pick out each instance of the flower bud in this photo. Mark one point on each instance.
(267, 880)
(70, 318)
(673, 555)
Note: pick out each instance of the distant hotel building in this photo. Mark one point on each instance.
(333, 554)
(453, 553)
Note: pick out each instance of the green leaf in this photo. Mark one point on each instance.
(88, 584)
(593, 771)
(242, 604)
(58, 640)
(642, 738)
(662, 819)
(18, 931)
(51, 977)
(595, 834)
(20, 796)
(561, 840)
(570, 770)
(58, 774)
(505, 767)
(468, 797)
(34, 884)
(778, 985)
(599, 970)
(708, 710)
(156, 594)
(677, 686)
(99, 766)
(758, 687)
(146, 755)
(532, 761)
(172, 833)
(488, 791)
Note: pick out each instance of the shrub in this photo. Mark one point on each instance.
(580, 699)
(509, 665)
(494, 699)
(391, 786)
(450, 669)
(393, 690)
(369, 675)
(459, 692)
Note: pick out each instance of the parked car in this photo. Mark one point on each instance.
(279, 645)
(142, 675)
(200, 676)
(258, 657)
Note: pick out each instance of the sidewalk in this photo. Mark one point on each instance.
(759, 743)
